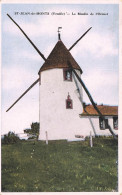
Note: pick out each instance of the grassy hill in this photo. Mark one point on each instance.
(60, 166)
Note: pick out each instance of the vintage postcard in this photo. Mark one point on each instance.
(60, 96)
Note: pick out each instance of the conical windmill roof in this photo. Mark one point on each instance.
(59, 58)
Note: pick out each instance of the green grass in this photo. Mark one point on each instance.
(60, 166)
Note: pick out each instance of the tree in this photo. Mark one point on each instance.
(34, 131)
(35, 128)
(10, 138)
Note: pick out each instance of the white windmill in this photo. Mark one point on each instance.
(60, 87)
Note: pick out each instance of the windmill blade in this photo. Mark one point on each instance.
(23, 94)
(81, 100)
(28, 38)
(91, 99)
(80, 38)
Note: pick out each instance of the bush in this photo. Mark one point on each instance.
(34, 131)
(10, 138)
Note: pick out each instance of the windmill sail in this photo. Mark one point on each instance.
(28, 39)
(80, 38)
(91, 99)
(81, 100)
(23, 94)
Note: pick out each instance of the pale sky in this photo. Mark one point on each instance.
(96, 53)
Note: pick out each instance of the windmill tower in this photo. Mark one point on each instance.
(59, 103)
(60, 87)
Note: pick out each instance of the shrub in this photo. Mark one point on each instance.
(34, 131)
(10, 138)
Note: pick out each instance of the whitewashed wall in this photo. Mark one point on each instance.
(97, 130)
(59, 122)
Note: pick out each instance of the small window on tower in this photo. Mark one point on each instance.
(115, 122)
(67, 74)
(69, 102)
